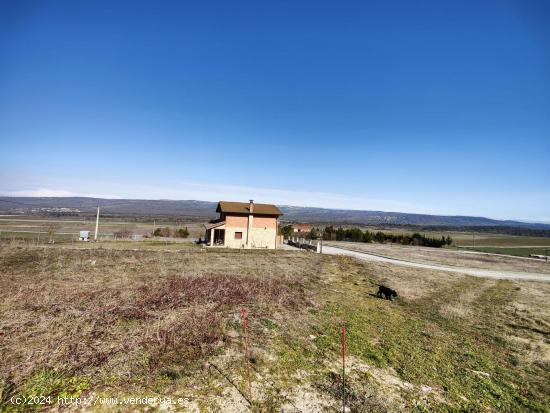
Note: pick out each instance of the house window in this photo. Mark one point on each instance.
(238, 235)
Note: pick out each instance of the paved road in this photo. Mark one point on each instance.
(476, 272)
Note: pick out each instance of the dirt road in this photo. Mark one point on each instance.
(476, 272)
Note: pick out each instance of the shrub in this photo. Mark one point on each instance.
(162, 232)
(181, 233)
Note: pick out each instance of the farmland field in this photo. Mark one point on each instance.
(67, 229)
(490, 240)
(122, 321)
(517, 251)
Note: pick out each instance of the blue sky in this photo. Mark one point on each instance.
(428, 106)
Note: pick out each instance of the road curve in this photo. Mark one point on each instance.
(476, 272)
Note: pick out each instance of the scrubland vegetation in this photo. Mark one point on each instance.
(119, 322)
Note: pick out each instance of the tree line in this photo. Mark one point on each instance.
(357, 235)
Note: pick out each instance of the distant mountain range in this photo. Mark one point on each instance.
(206, 210)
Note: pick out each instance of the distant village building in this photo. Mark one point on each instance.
(84, 236)
(244, 225)
(301, 228)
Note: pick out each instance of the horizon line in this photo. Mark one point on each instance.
(542, 221)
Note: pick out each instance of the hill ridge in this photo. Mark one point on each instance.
(206, 209)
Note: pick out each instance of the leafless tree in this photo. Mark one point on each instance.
(52, 228)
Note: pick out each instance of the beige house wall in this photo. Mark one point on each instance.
(263, 238)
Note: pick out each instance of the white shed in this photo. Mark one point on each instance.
(84, 236)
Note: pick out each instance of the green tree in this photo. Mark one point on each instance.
(367, 236)
(417, 239)
(286, 231)
(313, 234)
(380, 237)
(329, 233)
(354, 234)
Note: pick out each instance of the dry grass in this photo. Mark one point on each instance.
(119, 322)
(220, 289)
(83, 312)
(21, 225)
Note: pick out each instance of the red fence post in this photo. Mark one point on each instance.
(343, 369)
(246, 357)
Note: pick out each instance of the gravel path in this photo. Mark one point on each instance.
(476, 272)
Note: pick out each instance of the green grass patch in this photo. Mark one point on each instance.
(43, 389)
(518, 252)
(428, 349)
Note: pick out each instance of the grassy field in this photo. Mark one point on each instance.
(482, 240)
(517, 251)
(119, 321)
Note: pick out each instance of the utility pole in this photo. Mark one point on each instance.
(474, 238)
(96, 224)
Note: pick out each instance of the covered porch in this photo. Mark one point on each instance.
(215, 234)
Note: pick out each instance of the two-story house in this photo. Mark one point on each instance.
(244, 225)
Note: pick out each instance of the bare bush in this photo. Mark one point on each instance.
(219, 289)
(123, 233)
(51, 229)
(190, 335)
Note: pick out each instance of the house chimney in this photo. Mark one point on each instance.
(250, 224)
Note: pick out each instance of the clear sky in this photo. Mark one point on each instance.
(413, 106)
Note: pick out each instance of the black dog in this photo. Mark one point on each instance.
(386, 292)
